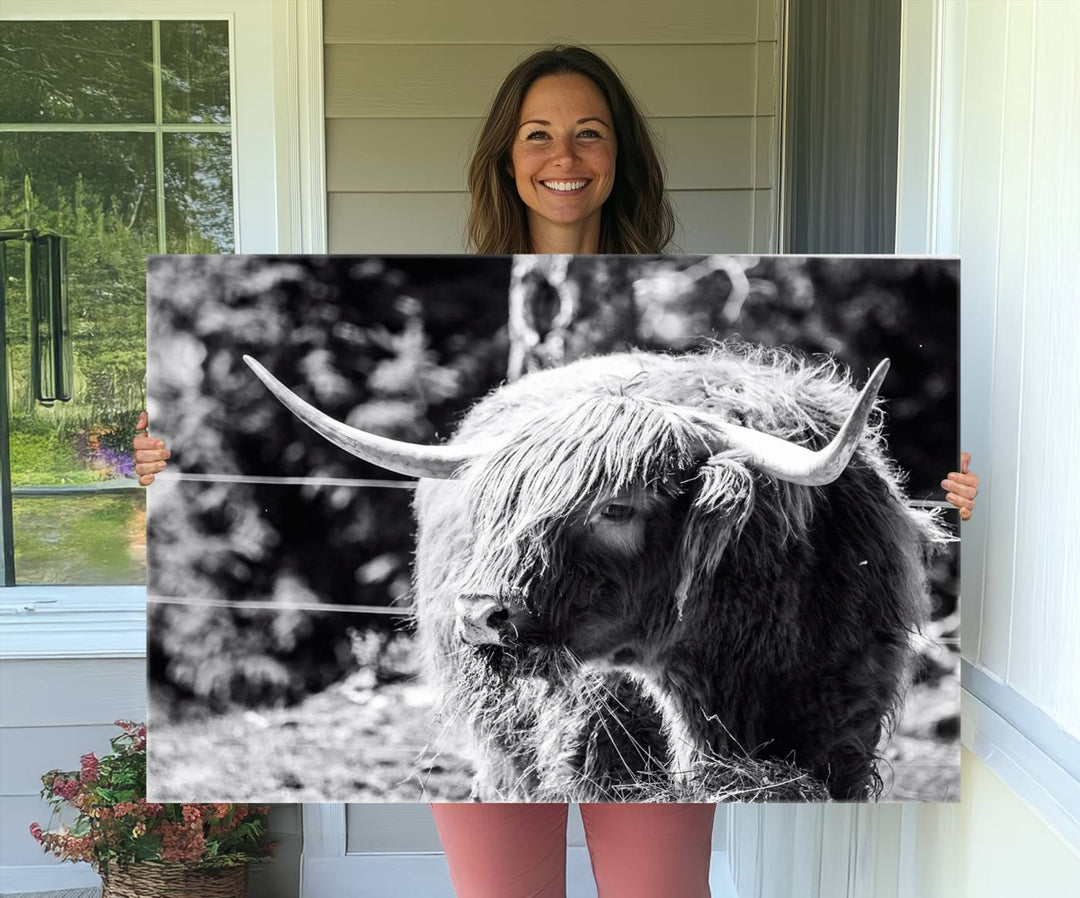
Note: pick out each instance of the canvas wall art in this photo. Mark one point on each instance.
(553, 528)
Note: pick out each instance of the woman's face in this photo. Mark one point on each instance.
(563, 154)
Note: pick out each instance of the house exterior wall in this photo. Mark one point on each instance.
(1002, 189)
(1010, 140)
(408, 82)
(54, 711)
(991, 845)
(989, 137)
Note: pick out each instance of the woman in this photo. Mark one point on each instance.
(565, 164)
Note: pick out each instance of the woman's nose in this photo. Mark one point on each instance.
(564, 150)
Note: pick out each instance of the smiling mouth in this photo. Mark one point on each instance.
(567, 186)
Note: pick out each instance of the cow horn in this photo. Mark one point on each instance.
(436, 462)
(797, 464)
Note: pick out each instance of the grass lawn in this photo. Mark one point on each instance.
(81, 539)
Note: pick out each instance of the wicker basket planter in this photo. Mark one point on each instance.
(149, 880)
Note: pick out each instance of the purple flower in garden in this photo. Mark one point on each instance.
(118, 462)
(109, 462)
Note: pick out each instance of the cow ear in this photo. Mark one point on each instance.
(720, 508)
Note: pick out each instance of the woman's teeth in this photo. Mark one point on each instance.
(564, 186)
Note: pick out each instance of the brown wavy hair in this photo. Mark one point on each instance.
(637, 216)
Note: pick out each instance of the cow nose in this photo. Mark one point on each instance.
(487, 619)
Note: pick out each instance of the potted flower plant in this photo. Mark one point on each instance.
(141, 848)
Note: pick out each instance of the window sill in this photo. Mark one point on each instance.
(73, 622)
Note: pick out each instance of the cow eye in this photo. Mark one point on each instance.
(616, 512)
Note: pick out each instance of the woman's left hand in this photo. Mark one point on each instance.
(962, 487)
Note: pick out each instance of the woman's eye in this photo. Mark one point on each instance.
(536, 135)
(616, 512)
(589, 132)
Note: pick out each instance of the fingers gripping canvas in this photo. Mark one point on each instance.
(553, 528)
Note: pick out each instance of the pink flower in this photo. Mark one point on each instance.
(36, 831)
(65, 788)
(181, 841)
(89, 767)
(192, 814)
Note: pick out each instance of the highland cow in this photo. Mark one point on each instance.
(639, 563)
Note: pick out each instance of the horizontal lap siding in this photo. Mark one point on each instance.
(529, 23)
(432, 222)
(408, 83)
(53, 712)
(460, 80)
(56, 710)
(28, 752)
(431, 155)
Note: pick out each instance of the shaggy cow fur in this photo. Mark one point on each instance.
(686, 606)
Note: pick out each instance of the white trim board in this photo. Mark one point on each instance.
(298, 50)
(1041, 775)
(38, 622)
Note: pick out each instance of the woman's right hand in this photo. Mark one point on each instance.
(150, 454)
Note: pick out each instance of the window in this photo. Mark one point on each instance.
(280, 206)
(118, 136)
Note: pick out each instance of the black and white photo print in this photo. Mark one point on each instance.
(553, 528)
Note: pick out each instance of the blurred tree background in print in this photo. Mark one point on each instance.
(403, 346)
(400, 346)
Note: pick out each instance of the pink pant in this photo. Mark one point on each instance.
(519, 850)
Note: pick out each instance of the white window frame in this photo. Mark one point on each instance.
(276, 52)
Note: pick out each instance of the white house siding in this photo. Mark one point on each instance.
(1004, 186)
(408, 82)
(990, 137)
(54, 711)
(1014, 216)
(1008, 202)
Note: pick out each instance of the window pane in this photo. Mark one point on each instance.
(198, 193)
(76, 72)
(195, 71)
(98, 191)
(83, 540)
